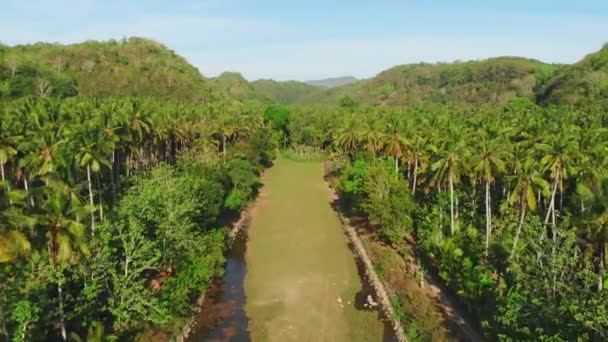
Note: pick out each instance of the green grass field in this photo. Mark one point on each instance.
(299, 263)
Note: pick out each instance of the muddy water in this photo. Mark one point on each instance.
(222, 316)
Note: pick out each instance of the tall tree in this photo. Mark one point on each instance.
(490, 162)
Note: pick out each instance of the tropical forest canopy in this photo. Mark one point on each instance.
(122, 166)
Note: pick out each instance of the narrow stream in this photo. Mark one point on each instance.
(222, 316)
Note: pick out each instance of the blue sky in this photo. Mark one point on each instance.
(316, 39)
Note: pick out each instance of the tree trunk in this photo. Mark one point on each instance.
(112, 178)
(396, 167)
(4, 331)
(8, 187)
(415, 176)
(451, 180)
(441, 208)
(99, 196)
(127, 261)
(602, 266)
(561, 195)
(64, 334)
(521, 223)
(488, 216)
(129, 164)
(91, 199)
(223, 145)
(27, 190)
(551, 202)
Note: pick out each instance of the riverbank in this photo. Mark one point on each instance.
(215, 305)
(411, 299)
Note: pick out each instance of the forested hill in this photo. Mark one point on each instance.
(333, 82)
(585, 81)
(287, 92)
(134, 66)
(494, 80)
(233, 85)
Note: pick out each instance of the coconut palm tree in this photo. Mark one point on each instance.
(597, 226)
(488, 163)
(60, 218)
(9, 141)
(91, 150)
(395, 144)
(348, 135)
(450, 166)
(527, 180)
(372, 136)
(559, 159)
(14, 242)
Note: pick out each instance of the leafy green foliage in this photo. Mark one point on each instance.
(388, 203)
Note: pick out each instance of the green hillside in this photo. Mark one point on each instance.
(134, 66)
(584, 81)
(287, 92)
(232, 85)
(494, 80)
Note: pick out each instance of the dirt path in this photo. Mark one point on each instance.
(302, 278)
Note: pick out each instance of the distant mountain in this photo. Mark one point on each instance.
(134, 66)
(585, 81)
(333, 82)
(286, 92)
(494, 80)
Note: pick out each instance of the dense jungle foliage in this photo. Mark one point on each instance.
(112, 210)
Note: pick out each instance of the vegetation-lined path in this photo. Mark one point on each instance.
(299, 264)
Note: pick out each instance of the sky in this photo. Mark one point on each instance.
(314, 39)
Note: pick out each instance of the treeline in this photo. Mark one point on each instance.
(112, 211)
(508, 205)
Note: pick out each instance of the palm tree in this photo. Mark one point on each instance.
(226, 129)
(372, 136)
(451, 164)
(91, 150)
(559, 161)
(417, 152)
(395, 144)
(13, 241)
(597, 225)
(8, 149)
(527, 180)
(488, 164)
(348, 135)
(134, 128)
(60, 218)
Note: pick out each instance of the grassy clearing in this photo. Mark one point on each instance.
(299, 264)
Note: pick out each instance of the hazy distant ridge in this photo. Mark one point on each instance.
(333, 82)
